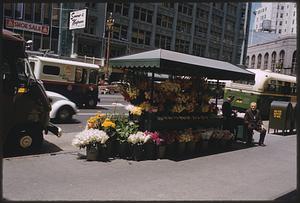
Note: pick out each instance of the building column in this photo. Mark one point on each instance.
(193, 28)
(223, 31)
(154, 17)
(173, 40)
(129, 32)
(246, 33)
(237, 34)
(208, 31)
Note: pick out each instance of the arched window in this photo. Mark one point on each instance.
(266, 60)
(294, 62)
(273, 61)
(247, 61)
(281, 59)
(252, 61)
(259, 61)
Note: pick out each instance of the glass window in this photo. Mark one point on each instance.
(118, 8)
(136, 14)
(93, 77)
(28, 11)
(51, 70)
(259, 61)
(143, 14)
(149, 16)
(125, 9)
(19, 11)
(110, 7)
(78, 75)
(37, 13)
(8, 7)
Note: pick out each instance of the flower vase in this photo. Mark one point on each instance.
(190, 147)
(171, 149)
(181, 148)
(138, 152)
(103, 152)
(123, 149)
(92, 153)
(150, 151)
(161, 151)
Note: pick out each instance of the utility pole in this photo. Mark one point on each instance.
(109, 24)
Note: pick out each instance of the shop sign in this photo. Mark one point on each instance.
(22, 25)
(77, 19)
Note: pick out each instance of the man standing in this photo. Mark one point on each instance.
(228, 115)
(253, 122)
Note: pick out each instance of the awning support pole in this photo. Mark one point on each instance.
(217, 93)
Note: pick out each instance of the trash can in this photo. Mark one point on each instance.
(240, 130)
(280, 118)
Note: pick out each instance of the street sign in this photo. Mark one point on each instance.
(77, 19)
(22, 25)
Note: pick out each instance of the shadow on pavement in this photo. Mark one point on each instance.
(72, 121)
(47, 147)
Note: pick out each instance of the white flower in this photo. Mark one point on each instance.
(89, 136)
(139, 137)
(129, 107)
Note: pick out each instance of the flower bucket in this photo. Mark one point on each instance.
(171, 149)
(181, 146)
(138, 152)
(204, 146)
(190, 147)
(123, 149)
(162, 151)
(92, 153)
(198, 146)
(103, 152)
(150, 151)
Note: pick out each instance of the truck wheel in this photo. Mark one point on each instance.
(25, 140)
(92, 103)
(64, 114)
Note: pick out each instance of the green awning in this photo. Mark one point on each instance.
(174, 63)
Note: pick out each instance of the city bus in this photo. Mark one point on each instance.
(75, 80)
(267, 87)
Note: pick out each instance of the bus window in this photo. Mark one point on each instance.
(93, 77)
(84, 76)
(51, 70)
(78, 75)
(293, 88)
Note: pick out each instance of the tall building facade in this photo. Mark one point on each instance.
(213, 30)
(276, 17)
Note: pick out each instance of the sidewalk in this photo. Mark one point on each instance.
(256, 173)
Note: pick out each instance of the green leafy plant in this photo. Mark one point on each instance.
(124, 128)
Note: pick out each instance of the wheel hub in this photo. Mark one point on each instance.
(25, 141)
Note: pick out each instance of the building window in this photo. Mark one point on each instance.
(182, 46)
(280, 61)
(185, 9)
(19, 11)
(8, 8)
(273, 61)
(279, 31)
(140, 36)
(281, 15)
(266, 60)
(164, 21)
(162, 41)
(198, 49)
(28, 11)
(252, 61)
(118, 8)
(143, 14)
(37, 12)
(259, 61)
(282, 7)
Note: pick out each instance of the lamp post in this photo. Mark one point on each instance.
(109, 24)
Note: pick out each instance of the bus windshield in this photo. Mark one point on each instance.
(23, 70)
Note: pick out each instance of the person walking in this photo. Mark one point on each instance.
(253, 122)
(228, 115)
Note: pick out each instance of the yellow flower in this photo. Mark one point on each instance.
(108, 123)
(137, 111)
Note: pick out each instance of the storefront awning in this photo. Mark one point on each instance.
(170, 62)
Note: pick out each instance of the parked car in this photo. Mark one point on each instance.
(62, 109)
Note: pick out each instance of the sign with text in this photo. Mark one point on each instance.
(77, 19)
(22, 25)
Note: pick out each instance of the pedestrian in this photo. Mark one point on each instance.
(253, 122)
(228, 115)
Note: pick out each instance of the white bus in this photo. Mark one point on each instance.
(75, 80)
(267, 87)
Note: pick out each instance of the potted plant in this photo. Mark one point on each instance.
(124, 128)
(92, 140)
(137, 141)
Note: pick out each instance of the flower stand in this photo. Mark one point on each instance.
(181, 146)
(170, 150)
(150, 151)
(161, 151)
(190, 148)
(92, 153)
(122, 149)
(138, 152)
(103, 152)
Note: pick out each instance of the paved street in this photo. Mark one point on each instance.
(58, 173)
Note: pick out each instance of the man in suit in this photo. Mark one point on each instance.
(253, 122)
(228, 115)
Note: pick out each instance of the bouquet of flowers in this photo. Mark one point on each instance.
(138, 138)
(135, 110)
(154, 137)
(89, 137)
(124, 128)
